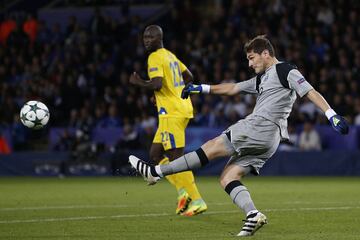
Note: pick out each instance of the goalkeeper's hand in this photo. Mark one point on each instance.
(339, 124)
(191, 89)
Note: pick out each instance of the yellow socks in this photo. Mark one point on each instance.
(184, 180)
(187, 180)
(171, 178)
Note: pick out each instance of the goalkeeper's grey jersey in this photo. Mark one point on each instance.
(276, 90)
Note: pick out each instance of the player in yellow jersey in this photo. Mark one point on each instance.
(168, 76)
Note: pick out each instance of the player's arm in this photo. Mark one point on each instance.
(298, 83)
(152, 84)
(187, 76)
(228, 89)
(185, 72)
(337, 122)
(155, 73)
(318, 100)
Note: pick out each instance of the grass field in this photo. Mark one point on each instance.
(125, 208)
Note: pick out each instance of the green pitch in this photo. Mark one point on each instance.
(125, 208)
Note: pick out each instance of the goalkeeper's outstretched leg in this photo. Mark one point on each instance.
(230, 179)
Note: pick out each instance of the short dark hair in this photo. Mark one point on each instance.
(259, 44)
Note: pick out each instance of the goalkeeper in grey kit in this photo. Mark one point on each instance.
(253, 140)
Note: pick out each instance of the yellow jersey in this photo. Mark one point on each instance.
(163, 63)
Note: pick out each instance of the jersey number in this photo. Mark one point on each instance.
(176, 68)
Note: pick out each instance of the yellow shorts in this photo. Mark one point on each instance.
(171, 132)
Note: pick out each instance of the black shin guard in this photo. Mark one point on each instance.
(231, 185)
(202, 156)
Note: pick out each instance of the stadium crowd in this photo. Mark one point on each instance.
(81, 73)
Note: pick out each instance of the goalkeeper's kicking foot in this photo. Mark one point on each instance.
(254, 221)
(195, 207)
(183, 201)
(144, 169)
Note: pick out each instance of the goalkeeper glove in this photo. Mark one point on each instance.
(337, 122)
(194, 89)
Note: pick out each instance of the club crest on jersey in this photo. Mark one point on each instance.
(162, 111)
(153, 69)
(301, 80)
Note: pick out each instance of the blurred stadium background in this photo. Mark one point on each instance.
(76, 57)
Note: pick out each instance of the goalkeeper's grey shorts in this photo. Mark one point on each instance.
(252, 141)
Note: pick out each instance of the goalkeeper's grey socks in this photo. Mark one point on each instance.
(189, 161)
(240, 196)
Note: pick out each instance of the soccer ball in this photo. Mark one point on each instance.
(34, 114)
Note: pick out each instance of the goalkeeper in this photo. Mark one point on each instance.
(253, 140)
